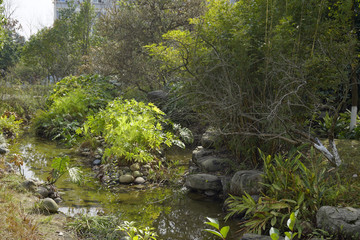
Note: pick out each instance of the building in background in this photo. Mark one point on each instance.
(100, 6)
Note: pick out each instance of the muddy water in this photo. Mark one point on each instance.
(175, 213)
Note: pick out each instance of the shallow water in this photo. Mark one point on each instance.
(175, 213)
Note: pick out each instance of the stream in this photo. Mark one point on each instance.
(175, 213)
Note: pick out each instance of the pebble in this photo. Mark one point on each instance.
(97, 162)
(139, 180)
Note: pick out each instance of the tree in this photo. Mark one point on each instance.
(59, 50)
(258, 70)
(126, 28)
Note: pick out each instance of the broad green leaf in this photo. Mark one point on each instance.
(213, 220)
(291, 221)
(214, 232)
(213, 224)
(224, 231)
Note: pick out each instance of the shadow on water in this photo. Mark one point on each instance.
(175, 213)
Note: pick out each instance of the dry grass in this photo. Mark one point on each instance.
(17, 216)
(16, 222)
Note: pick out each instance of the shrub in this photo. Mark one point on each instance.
(73, 99)
(93, 84)
(342, 126)
(132, 130)
(9, 126)
(289, 186)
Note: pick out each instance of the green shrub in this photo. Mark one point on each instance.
(9, 126)
(137, 233)
(132, 130)
(289, 186)
(73, 100)
(342, 126)
(92, 84)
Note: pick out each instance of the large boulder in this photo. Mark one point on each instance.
(126, 179)
(210, 138)
(213, 164)
(43, 191)
(345, 221)
(203, 182)
(48, 204)
(29, 185)
(200, 152)
(248, 181)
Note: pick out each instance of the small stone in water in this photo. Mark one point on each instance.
(97, 162)
(135, 167)
(139, 180)
(210, 193)
(137, 174)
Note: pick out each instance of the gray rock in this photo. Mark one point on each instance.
(126, 178)
(200, 152)
(139, 180)
(210, 138)
(246, 181)
(43, 191)
(135, 167)
(49, 205)
(3, 148)
(97, 162)
(213, 164)
(29, 185)
(58, 200)
(194, 169)
(136, 174)
(203, 182)
(345, 221)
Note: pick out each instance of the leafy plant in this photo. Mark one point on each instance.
(221, 233)
(136, 233)
(289, 178)
(132, 130)
(263, 213)
(342, 126)
(288, 186)
(9, 126)
(275, 235)
(73, 100)
(60, 166)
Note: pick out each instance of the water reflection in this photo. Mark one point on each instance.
(175, 214)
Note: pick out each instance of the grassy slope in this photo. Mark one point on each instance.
(18, 218)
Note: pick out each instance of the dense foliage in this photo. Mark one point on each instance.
(61, 50)
(129, 26)
(72, 101)
(133, 131)
(289, 186)
(10, 126)
(262, 66)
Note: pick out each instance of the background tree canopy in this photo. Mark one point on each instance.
(259, 70)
